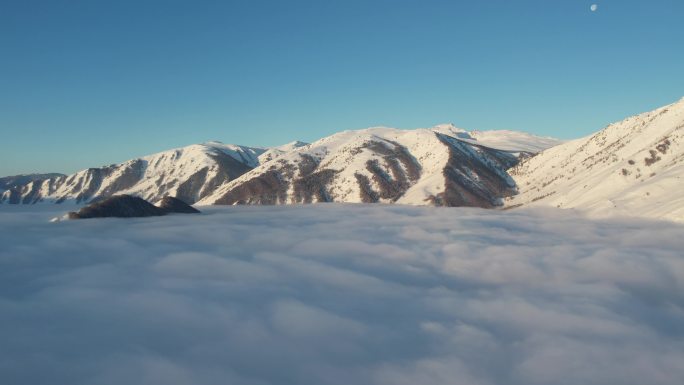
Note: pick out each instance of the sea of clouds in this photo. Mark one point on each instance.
(340, 294)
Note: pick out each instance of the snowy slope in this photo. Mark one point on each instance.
(634, 167)
(379, 164)
(188, 173)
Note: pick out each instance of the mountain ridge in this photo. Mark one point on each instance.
(633, 167)
(187, 172)
(194, 173)
(377, 164)
(8, 182)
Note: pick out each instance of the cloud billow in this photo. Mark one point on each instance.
(339, 294)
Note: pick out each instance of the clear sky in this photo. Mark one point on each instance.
(87, 83)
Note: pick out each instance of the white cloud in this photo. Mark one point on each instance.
(339, 294)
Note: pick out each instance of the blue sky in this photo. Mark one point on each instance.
(86, 83)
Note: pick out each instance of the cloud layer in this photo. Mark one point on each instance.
(341, 294)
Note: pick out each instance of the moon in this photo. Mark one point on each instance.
(593, 7)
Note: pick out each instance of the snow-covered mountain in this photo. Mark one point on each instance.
(9, 182)
(634, 167)
(189, 173)
(442, 165)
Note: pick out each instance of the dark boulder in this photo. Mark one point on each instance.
(119, 206)
(175, 205)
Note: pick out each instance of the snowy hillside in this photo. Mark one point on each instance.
(634, 167)
(188, 173)
(418, 167)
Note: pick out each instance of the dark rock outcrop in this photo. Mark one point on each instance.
(127, 206)
(119, 206)
(175, 205)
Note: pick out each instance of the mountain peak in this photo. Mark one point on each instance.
(447, 126)
(291, 145)
(296, 143)
(451, 130)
